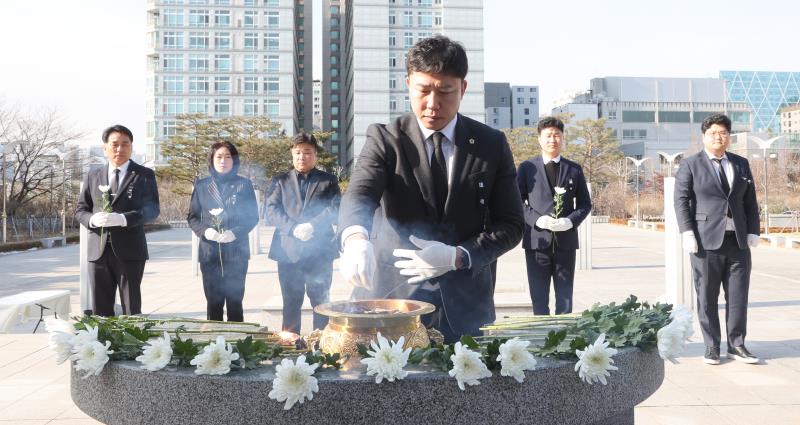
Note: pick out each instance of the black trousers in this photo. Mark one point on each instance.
(224, 287)
(109, 273)
(310, 276)
(544, 266)
(438, 319)
(728, 266)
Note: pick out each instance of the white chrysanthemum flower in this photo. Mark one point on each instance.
(515, 359)
(215, 359)
(61, 334)
(388, 360)
(104, 187)
(467, 366)
(671, 341)
(294, 382)
(560, 190)
(215, 212)
(84, 336)
(156, 354)
(683, 317)
(595, 361)
(91, 357)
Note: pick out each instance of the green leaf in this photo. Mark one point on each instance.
(469, 341)
(362, 351)
(183, 351)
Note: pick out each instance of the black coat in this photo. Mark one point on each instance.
(240, 215)
(391, 194)
(285, 209)
(137, 201)
(537, 198)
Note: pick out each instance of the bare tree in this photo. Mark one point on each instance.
(38, 140)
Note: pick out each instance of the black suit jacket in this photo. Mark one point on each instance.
(391, 194)
(137, 200)
(537, 198)
(285, 210)
(240, 215)
(701, 204)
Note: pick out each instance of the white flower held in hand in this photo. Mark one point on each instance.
(294, 382)
(215, 212)
(104, 188)
(156, 354)
(515, 359)
(215, 359)
(388, 359)
(560, 190)
(217, 220)
(467, 366)
(91, 357)
(595, 361)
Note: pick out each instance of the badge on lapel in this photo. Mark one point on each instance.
(130, 186)
(471, 141)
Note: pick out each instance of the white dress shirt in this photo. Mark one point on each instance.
(725, 162)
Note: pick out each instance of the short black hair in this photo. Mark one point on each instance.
(304, 138)
(438, 55)
(117, 128)
(223, 144)
(548, 122)
(712, 119)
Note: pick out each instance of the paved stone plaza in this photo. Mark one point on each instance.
(34, 390)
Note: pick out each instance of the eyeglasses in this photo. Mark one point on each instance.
(722, 134)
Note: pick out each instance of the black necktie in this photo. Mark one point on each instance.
(115, 182)
(303, 180)
(723, 179)
(551, 169)
(439, 171)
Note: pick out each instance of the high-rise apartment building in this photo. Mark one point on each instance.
(790, 119)
(364, 48)
(317, 105)
(524, 106)
(497, 100)
(227, 58)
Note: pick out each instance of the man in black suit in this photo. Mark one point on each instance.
(302, 204)
(432, 201)
(551, 238)
(715, 203)
(115, 218)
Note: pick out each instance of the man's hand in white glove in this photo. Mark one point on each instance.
(357, 264)
(689, 242)
(98, 219)
(104, 219)
(432, 260)
(227, 237)
(303, 231)
(561, 224)
(212, 235)
(544, 222)
(753, 240)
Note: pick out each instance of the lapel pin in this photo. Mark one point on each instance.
(480, 184)
(471, 141)
(482, 202)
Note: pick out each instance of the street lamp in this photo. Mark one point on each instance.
(670, 160)
(5, 149)
(63, 157)
(638, 163)
(764, 145)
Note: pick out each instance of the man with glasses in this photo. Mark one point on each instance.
(715, 202)
(555, 200)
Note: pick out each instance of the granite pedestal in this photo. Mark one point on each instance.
(552, 394)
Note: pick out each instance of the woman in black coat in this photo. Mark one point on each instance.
(224, 249)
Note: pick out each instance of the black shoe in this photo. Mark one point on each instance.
(711, 356)
(741, 354)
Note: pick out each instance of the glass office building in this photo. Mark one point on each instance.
(765, 93)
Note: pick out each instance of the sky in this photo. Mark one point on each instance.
(86, 58)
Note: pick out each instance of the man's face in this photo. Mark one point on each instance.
(435, 98)
(118, 149)
(551, 139)
(716, 139)
(304, 157)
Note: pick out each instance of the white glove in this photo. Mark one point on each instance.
(357, 265)
(689, 242)
(303, 231)
(753, 240)
(97, 218)
(432, 260)
(227, 237)
(104, 219)
(544, 222)
(212, 235)
(561, 224)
